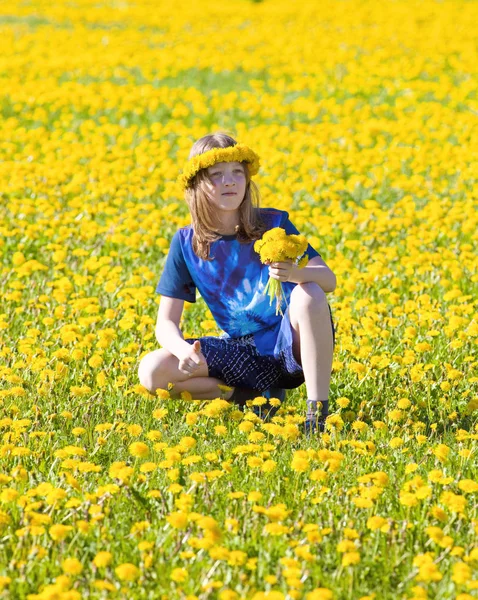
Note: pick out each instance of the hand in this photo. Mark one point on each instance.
(192, 359)
(281, 271)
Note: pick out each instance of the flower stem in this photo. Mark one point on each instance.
(274, 291)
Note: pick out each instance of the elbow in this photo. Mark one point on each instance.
(332, 283)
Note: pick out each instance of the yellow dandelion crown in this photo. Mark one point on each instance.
(237, 153)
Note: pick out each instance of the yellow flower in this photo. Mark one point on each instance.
(160, 413)
(395, 415)
(320, 594)
(127, 572)
(139, 450)
(350, 558)
(269, 466)
(453, 502)
(237, 558)
(9, 495)
(78, 431)
(376, 522)
(438, 513)
(162, 394)
(228, 595)
(343, 402)
(187, 442)
(134, 430)
(255, 462)
(254, 496)
(179, 575)
(276, 529)
(72, 566)
(468, 486)
(428, 570)
(103, 559)
(95, 361)
(4, 581)
(276, 246)
(300, 461)
(246, 426)
(237, 153)
(59, 532)
(303, 262)
(441, 452)
(178, 520)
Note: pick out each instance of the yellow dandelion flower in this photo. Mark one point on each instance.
(139, 450)
(177, 520)
(72, 566)
(103, 559)
(350, 558)
(59, 532)
(127, 572)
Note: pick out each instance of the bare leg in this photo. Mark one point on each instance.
(312, 338)
(201, 388)
(160, 368)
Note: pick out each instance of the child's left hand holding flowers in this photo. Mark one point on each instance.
(281, 271)
(281, 252)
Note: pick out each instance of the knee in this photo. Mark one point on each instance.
(308, 297)
(154, 368)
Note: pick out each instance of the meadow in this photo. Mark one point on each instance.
(365, 116)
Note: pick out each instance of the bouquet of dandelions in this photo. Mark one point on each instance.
(276, 246)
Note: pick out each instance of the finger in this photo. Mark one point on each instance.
(197, 346)
(282, 265)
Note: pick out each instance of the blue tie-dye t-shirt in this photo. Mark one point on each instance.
(232, 284)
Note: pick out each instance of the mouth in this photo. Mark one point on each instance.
(230, 194)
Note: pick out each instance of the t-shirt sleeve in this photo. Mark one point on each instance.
(291, 229)
(176, 280)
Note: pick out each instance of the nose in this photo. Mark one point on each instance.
(228, 179)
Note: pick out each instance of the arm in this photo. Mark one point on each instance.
(316, 271)
(167, 329)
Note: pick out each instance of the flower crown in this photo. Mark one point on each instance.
(237, 153)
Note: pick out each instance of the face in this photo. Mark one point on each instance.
(227, 185)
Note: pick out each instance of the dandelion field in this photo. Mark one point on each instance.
(365, 116)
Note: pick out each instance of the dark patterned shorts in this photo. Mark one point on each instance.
(237, 362)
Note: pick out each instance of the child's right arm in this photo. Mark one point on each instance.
(170, 336)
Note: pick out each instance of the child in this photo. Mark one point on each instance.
(215, 255)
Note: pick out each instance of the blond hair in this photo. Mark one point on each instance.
(250, 228)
